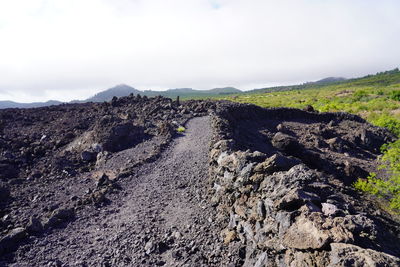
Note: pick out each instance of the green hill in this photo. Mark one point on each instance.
(372, 97)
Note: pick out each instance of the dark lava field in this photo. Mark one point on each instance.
(116, 184)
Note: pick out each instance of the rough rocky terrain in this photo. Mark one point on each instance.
(282, 179)
(114, 184)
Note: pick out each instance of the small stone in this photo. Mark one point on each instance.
(149, 247)
(309, 108)
(103, 181)
(229, 236)
(281, 128)
(261, 209)
(329, 209)
(176, 235)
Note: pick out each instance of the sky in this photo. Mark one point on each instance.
(71, 49)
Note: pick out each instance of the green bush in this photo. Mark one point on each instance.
(181, 129)
(395, 95)
(359, 94)
(385, 188)
(389, 122)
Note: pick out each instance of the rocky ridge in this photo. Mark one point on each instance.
(281, 181)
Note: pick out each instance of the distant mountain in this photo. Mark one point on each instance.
(125, 90)
(225, 91)
(12, 104)
(118, 91)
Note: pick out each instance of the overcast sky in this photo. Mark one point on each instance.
(71, 49)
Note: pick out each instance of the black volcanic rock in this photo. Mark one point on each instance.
(299, 209)
(279, 188)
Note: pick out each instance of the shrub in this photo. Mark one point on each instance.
(181, 129)
(389, 122)
(359, 94)
(395, 95)
(388, 188)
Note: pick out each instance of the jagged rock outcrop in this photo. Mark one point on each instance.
(281, 180)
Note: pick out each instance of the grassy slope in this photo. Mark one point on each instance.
(369, 97)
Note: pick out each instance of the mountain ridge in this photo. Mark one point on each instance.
(125, 90)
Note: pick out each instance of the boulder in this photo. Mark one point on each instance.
(306, 234)
(286, 143)
(59, 216)
(275, 163)
(314, 231)
(329, 209)
(295, 198)
(11, 240)
(352, 255)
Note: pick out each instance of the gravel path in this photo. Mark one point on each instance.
(159, 217)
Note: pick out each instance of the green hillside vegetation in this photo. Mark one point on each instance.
(189, 93)
(376, 98)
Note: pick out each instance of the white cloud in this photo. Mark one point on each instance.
(68, 49)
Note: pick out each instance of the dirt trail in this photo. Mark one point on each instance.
(159, 217)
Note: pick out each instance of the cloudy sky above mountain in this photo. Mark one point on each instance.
(71, 49)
